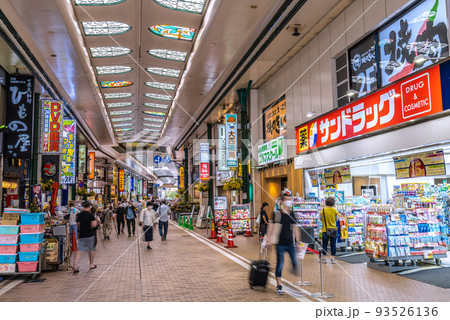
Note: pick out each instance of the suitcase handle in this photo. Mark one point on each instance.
(261, 252)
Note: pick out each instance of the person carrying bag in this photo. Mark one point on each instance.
(329, 218)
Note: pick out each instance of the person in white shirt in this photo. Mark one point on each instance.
(73, 212)
(147, 219)
(163, 214)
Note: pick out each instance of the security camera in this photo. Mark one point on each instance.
(295, 33)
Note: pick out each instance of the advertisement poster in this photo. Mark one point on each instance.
(68, 152)
(201, 216)
(275, 119)
(52, 117)
(231, 140)
(82, 159)
(407, 100)
(204, 161)
(19, 117)
(313, 175)
(196, 194)
(420, 32)
(121, 180)
(422, 164)
(363, 67)
(222, 152)
(222, 176)
(240, 211)
(272, 151)
(338, 175)
(181, 177)
(110, 174)
(339, 196)
(115, 175)
(220, 211)
(50, 168)
(92, 165)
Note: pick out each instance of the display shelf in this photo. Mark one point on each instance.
(307, 214)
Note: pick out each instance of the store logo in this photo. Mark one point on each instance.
(313, 135)
(416, 96)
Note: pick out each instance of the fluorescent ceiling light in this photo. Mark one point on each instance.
(155, 113)
(120, 95)
(158, 96)
(310, 114)
(156, 105)
(168, 54)
(121, 112)
(115, 84)
(104, 52)
(194, 6)
(121, 119)
(104, 28)
(153, 119)
(173, 73)
(173, 32)
(97, 2)
(421, 58)
(119, 104)
(161, 85)
(113, 69)
(351, 93)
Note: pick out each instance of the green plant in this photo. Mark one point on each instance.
(47, 185)
(202, 187)
(91, 194)
(82, 192)
(34, 208)
(233, 184)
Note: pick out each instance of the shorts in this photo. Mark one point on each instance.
(86, 244)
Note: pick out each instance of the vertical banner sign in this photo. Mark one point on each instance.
(231, 140)
(19, 117)
(222, 152)
(131, 183)
(110, 174)
(114, 175)
(68, 152)
(204, 161)
(275, 119)
(82, 159)
(91, 165)
(121, 180)
(52, 115)
(181, 177)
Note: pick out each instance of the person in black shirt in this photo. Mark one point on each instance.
(87, 226)
(286, 218)
(120, 217)
(263, 220)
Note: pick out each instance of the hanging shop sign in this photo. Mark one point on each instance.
(127, 184)
(272, 151)
(121, 180)
(204, 161)
(337, 175)
(82, 159)
(110, 174)
(100, 173)
(19, 117)
(131, 183)
(115, 175)
(181, 177)
(399, 103)
(275, 119)
(363, 67)
(92, 165)
(239, 213)
(52, 117)
(68, 152)
(415, 40)
(422, 164)
(50, 168)
(222, 148)
(231, 140)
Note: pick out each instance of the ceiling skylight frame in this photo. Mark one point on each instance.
(167, 54)
(190, 6)
(101, 70)
(119, 104)
(159, 120)
(154, 113)
(161, 85)
(82, 3)
(117, 95)
(121, 112)
(156, 105)
(123, 119)
(173, 32)
(115, 84)
(123, 129)
(157, 96)
(121, 125)
(109, 52)
(153, 125)
(104, 28)
(165, 72)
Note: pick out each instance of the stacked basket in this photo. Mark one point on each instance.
(9, 238)
(31, 241)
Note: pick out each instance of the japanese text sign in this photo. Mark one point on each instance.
(52, 116)
(222, 152)
(121, 180)
(231, 140)
(338, 175)
(391, 106)
(272, 151)
(422, 164)
(275, 119)
(204, 161)
(91, 165)
(19, 117)
(82, 159)
(68, 152)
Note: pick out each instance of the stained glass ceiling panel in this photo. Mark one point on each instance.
(168, 54)
(173, 73)
(119, 104)
(173, 32)
(121, 112)
(161, 85)
(123, 129)
(119, 95)
(115, 84)
(121, 119)
(117, 125)
(104, 28)
(97, 2)
(194, 6)
(155, 113)
(153, 119)
(156, 105)
(152, 125)
(158, 96)
(113, 69)
(150, 130)
(104, 52)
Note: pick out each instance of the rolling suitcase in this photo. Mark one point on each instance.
(259, 271)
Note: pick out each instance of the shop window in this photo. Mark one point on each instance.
(342, 80)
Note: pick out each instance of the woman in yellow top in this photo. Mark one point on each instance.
(329, 218)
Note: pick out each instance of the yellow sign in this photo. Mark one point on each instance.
(422, 164)
(338, 175)
(302, 138)
(121, 180)
(181, 177)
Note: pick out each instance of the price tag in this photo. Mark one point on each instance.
(428, 255)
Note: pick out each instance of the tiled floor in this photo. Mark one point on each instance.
(184, 268)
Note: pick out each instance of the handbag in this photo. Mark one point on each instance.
(330, 232)
(258, 220)
(275, 228)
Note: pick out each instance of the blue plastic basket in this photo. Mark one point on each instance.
(31, 237)
(28, 256)
(10, 230)
(8, 258)
(32, 218)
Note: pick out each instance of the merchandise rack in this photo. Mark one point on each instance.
(33, 274)
(356, 227)
(307, 214)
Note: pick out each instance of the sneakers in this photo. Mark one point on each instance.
(324, 260)
(149, 248)
(333, 261)
(280, 290)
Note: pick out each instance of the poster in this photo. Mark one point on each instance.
(50, 168)
(51, 129)
(222, 176)
(19, 117)
(82, 159)
(204, 161)
(275, 119)
(419, 32)
(222, 148)
(338, 175)
(240, 211)
(220, 211)
(313, 175)
(272, 151)
(196, 194)
(363, 67)
(422, 164)
(110, 174)
(201, 216)
(115, 175)
(92, 165)
(410, 99)
(231, 140)
(68, 152)
(339, 196)
(121, 180)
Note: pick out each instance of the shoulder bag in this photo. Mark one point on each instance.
(330, 232)
(275, 228)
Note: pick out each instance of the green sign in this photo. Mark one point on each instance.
(272, 151)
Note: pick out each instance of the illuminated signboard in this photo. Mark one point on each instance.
(52, 116)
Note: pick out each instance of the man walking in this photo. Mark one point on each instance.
(87, 226)
(131, 219)
(120, 217)
(163, 214)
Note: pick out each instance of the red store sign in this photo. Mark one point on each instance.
(414, 98)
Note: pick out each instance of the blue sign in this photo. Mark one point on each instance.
(157, 159)
(131, 183)
(166, 159)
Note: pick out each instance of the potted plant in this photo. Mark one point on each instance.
(233, 185)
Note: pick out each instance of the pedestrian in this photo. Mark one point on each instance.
(94, 211)
(131, 219)
(139, 207)
(263, 220)
(73, 212)
(329, 217)
(121, 211)
(107, 222)
(163, 215)
(87, 225)
(283, 222)
(147, 219)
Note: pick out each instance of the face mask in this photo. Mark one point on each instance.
(288, 203)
